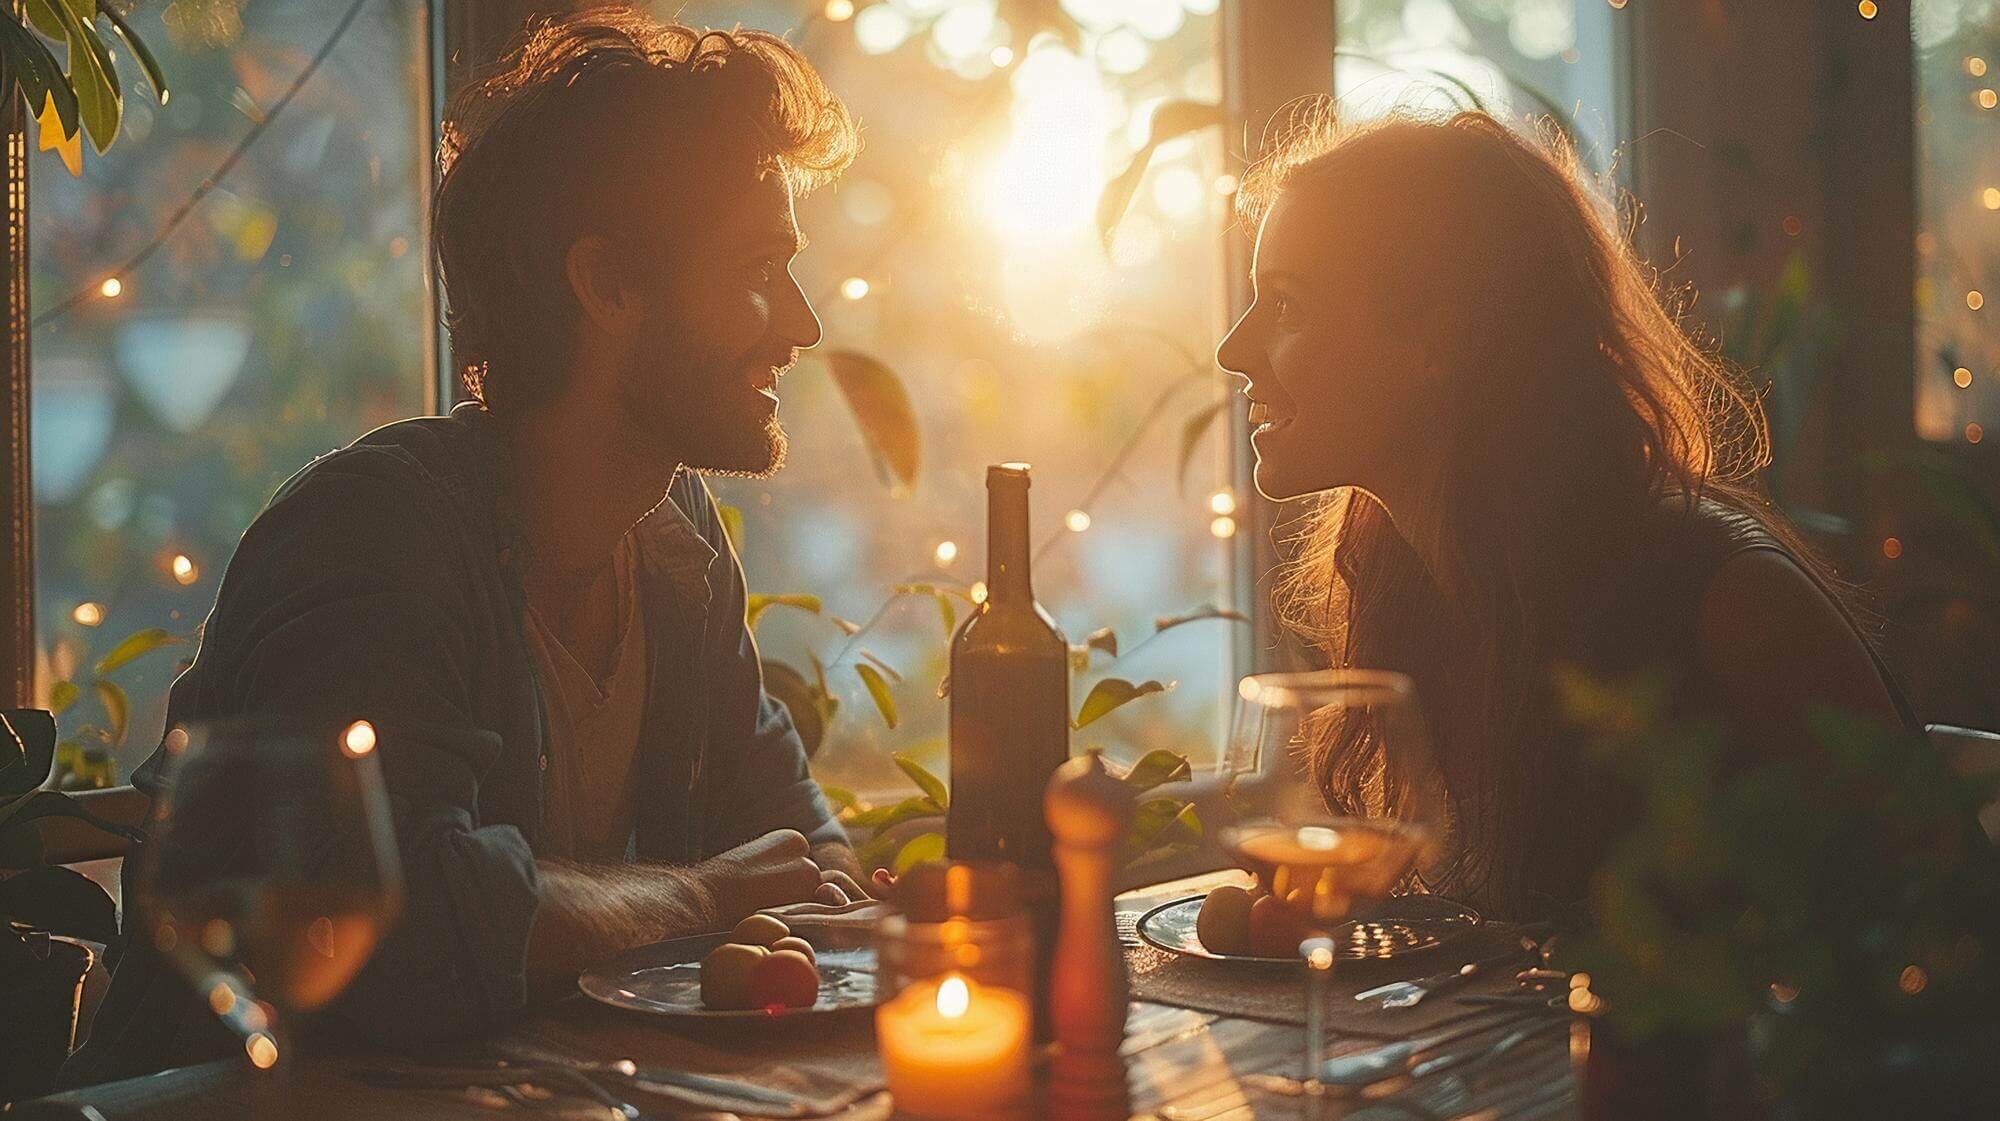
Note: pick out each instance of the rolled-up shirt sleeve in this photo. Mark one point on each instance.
(345, 602)
(758, 779)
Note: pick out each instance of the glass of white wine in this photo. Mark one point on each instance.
(1331, 799)
(270, 870)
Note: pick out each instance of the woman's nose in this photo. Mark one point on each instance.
(1233, 352)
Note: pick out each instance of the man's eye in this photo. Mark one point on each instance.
(1282, 308)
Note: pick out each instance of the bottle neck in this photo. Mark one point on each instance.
(1007, 579)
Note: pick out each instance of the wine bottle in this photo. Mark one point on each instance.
(1009, 698)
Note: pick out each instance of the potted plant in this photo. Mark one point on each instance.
(46, 911)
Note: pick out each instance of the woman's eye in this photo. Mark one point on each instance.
(765, 270)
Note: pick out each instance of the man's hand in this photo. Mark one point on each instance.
(771, 871)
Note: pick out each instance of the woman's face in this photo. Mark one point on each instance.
(1336, 386)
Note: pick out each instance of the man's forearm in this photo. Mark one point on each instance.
(589, 912)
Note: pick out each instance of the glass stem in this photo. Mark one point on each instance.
(1318, 955)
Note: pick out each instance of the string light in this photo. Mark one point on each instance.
(1868, 9)
(840, 11)
(1224, 526)
(263, 1051)
(1975, 66)
(1222, 502)
(1793, 227)
(358, 739)
(1616, 3)
(947, 552)
(1975, 299)
(1974, 433)
(184, 570)
(1988, 99)
(112, 288)
(1225, 185)
(1002, 56)
(88, 614)
(1912, 980)
(854, 287)
(1961, 377)
(977, 591)
(1077, 520)
(1991, 197)
(1892, 548)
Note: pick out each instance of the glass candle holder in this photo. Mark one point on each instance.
(955, 1027)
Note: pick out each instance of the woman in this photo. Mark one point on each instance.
(1527, 465)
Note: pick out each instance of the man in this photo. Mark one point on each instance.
(532, 600)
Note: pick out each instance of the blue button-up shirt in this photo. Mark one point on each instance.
(383, 582)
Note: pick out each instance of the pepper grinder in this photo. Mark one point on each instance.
(1088, 812)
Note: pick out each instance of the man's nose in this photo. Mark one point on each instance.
(796, 321)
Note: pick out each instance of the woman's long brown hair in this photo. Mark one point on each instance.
(1581, 406)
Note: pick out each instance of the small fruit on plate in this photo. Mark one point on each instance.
(784, 979)
(760, 930)
(726, 976)
(798, 944)
(1223, 924)
(1275, 928)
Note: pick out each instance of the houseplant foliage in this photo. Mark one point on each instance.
(1836, 919)
(42, 909)
(82, 95)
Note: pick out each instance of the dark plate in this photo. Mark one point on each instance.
(1401, 927)
(664, 979)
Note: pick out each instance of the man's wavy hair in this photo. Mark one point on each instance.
(594, 120)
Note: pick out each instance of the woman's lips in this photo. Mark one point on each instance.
(1264, 418)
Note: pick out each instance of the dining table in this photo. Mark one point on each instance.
(1205, 1041)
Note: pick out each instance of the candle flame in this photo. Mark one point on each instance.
(953, 998)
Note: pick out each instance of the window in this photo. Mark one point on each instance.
(1520, 58)
(962, 252)
(287, 315)
(1958, 218)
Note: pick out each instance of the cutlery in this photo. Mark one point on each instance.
(1408, 994)
(579, 1073)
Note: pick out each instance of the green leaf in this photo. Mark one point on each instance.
(51, 803)
(1113, 693)
(116, 706)
(42, 14)
(809, 716)
(62, 695)
(27, 749)
(881, 818)
(134, 646)
(732, 524)
(1157, 766)
(99, 98)
(932, 786)
(40, 75)
(1171, 119)
(924, 848)
(155, 76)
(1160, 822)
(841, 797)
(882, 409)
(1192, 430)
(1105, 639)
(1205, 611)
(879, 690)
(888, 670)
(757, 604)
(61, 901)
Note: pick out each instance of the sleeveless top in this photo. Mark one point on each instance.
(1638, 620)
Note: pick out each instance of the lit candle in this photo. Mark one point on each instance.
(954, 1048)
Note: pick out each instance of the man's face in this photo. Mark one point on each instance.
(725, 320)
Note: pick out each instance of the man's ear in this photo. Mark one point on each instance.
(597, 277)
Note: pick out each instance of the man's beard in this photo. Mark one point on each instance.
(689, 419)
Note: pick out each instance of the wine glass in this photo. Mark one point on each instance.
(270, 870)
(1332, 798)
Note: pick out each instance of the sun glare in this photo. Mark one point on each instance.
(1044, 183)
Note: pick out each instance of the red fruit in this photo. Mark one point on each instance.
(1275, 929)
(784, 979)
